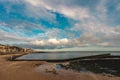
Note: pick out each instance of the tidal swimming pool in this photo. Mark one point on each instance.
(59, 55)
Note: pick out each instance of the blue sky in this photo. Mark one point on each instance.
(55, 24)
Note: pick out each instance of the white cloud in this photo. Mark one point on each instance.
(96, 33)
(89, 38)
(38, 42)
(63, 41)
(38, 3)
(118, 7)
(53, 33)
(34, 2)
(103, 44)
(76, 13)
(11, 38)
(101, 12)
(53, 41)
(50, 42)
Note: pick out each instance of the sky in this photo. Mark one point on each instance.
(60, 24)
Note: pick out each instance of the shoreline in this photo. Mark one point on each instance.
(25, 70)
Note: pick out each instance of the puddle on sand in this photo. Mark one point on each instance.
(54, 69)
(44, 67)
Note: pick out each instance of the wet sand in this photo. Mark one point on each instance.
(32, 70)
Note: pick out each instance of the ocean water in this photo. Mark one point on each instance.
(63, 55)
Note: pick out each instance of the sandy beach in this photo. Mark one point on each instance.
(41, 70)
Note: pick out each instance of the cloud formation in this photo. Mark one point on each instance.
(52, 24)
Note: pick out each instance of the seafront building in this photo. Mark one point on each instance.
(13, 49)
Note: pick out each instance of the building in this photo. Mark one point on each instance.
(13, 49)
(2, 48)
